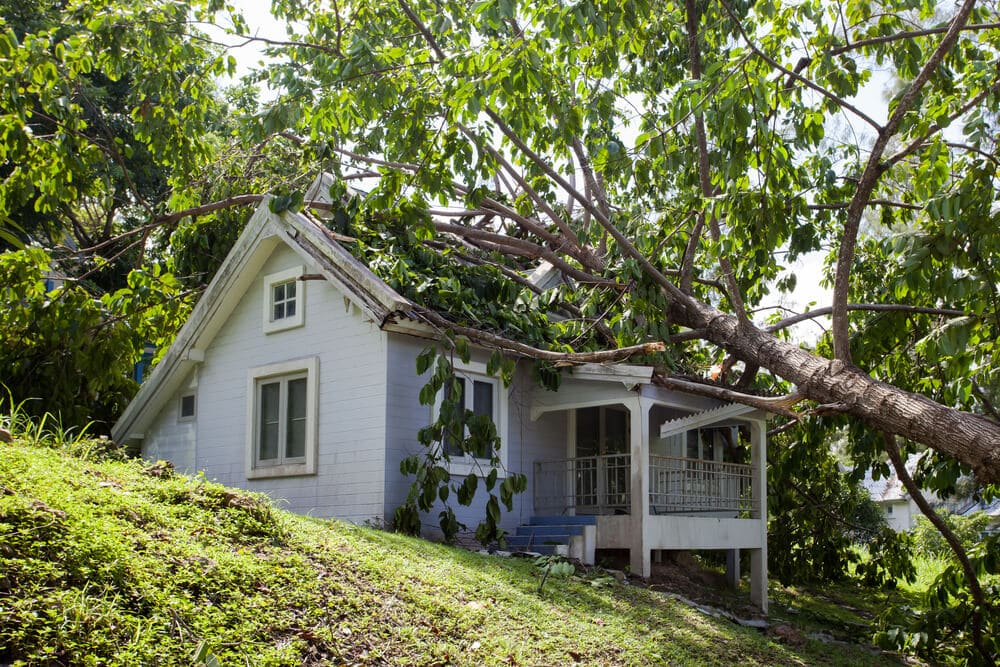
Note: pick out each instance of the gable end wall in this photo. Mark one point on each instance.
(349, 483)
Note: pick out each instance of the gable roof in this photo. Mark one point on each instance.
(264, 232)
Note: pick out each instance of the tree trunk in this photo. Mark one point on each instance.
(973, 440)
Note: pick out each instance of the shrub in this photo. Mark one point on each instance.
(929, 542)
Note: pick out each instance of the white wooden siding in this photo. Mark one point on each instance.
(172, 440)
(352, 354)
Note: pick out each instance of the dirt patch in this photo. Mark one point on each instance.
(682, 573)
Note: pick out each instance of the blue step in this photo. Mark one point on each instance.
(529, 539)
(582, 520)
(546, 530)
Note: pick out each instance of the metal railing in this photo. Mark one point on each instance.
(588, 485)
(602, 485)
(683, 486)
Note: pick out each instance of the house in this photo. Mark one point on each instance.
(295, 376)
(898, 507)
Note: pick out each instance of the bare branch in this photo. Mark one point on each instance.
(877, 307)
(871, 202)
(497, 341)
(908, 34)
(781, 405)
(522, 248)
(866, 184)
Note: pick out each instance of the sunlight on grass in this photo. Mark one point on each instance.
(125, 562)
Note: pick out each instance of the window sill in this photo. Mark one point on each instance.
(463, 468)
(279, 325)
(287, 470)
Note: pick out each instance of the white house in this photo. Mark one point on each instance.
(296, 376)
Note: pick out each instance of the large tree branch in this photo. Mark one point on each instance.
(869, 178)
(971, 439)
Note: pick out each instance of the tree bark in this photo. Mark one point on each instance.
(973, 440)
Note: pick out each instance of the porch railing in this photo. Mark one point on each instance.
(588, 485)
(602, 485)
(683, 486)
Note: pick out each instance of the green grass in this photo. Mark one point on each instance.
(117, 562)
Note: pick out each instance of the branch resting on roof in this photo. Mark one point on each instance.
(781, 405)
(561, 358)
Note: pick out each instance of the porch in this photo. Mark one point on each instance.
(654, 470)
(602, 485)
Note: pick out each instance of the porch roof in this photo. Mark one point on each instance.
(591, 385)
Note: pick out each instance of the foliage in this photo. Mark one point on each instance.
(127, 563)
(71, 355)
(818, 516)
(929, 542)
(474, 436)
(105, 107)
(942, 629)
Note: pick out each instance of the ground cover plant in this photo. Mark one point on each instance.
(114, 561)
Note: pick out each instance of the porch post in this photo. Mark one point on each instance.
(639, 553)
(758, 467)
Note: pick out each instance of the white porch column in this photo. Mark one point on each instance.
(639, 552)
(758, 467)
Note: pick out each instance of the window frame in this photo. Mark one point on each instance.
(181, 417)
(464, 465)
(282, 372)
(272, 280)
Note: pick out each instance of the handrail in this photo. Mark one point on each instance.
(677, 485)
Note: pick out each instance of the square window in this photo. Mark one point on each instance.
(186, 412)
(282, 418)
(284, 300)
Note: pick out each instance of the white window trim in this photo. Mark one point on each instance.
(467, 463)
(296, 320)
(309, 366)
(181, 417)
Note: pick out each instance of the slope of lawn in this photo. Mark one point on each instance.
(123, 562)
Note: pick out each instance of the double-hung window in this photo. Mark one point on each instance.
(284, 300)
(483, 395)
(282, 419)
(478, 395)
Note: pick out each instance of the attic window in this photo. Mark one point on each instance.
(284, 300)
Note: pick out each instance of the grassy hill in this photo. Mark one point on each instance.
(121, 562)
